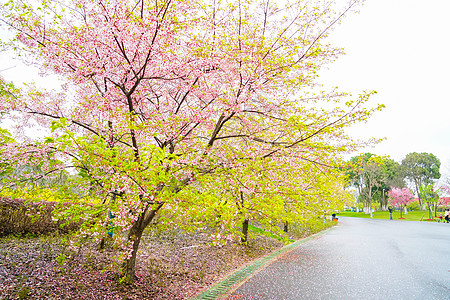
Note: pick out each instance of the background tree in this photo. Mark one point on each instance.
(430, 197)
(421, 169)
(444, 192)
(163, 98)
(366, 173)
(392, 177)
(355, 171)
(400, 198)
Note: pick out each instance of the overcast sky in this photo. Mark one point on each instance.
(401, 49)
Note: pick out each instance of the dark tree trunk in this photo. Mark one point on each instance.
(101, 246)
(419, 196)
(244, 238)
(129, 265)
(285, 228)
(134, 236)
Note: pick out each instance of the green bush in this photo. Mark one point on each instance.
(309, 227)
(18, 217)
(413, 205)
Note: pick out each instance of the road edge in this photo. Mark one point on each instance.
(225, 287)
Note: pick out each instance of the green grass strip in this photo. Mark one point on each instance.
(222, 287)
(414, 215)
(267, 233)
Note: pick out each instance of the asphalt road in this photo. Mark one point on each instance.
(361, 259)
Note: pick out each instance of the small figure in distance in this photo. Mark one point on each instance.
(333, 218)
(390, 208)
(440, 218)
(446, 215)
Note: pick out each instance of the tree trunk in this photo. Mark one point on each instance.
(285, 228)
(134, 236)
(244, 237)
(101, 246)
(129, 265)
(419, 196)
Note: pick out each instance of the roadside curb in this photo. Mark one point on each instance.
(223, 287)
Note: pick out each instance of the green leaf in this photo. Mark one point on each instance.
(49, 140)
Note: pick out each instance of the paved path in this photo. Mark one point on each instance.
(361, 259)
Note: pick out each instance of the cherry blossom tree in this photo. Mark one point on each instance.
(161, 99)
(444, 201)
(444, 190)
(269, 192)
(400, 197)
(5, 166)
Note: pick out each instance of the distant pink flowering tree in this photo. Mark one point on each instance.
(444, 201)
(445, 189)
(432, 197)
(400, 197)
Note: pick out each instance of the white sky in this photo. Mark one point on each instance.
(401, 49)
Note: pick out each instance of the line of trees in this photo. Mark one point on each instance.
(374, 176)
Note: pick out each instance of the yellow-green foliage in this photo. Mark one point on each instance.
(27, 211)
(37, 194)
(309, 227)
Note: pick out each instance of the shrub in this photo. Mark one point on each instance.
(20, 217)
(310, 227)
(413, 205)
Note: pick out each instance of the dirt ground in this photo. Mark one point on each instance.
(170, 266)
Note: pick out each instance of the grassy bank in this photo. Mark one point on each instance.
(384, 215)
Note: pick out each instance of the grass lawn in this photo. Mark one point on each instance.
(411, 216)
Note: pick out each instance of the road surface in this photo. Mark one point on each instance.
(361, 259)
